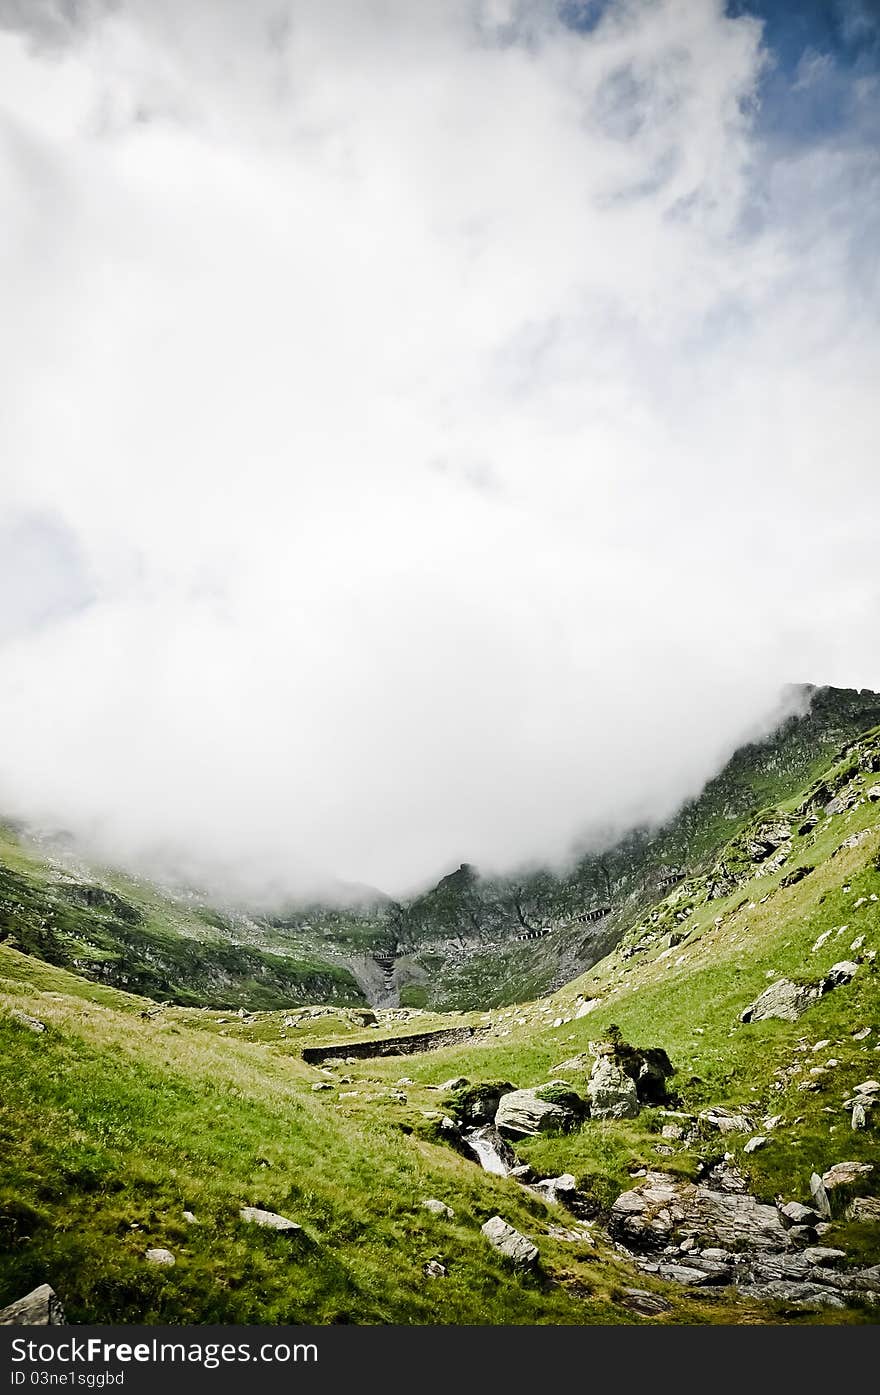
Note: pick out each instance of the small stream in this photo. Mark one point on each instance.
(490, 1149)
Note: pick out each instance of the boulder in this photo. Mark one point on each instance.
(515, 1247)
(755, 1143)
(612, 1093)
(434, 1269)
(39, 1308)
(478, 1104)
(783, 999)
(823, 1254)
(522, 1114)
(269, 1220)
(456, 1082)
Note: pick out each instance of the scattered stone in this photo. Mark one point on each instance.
(859, 1117)
(322, 1085)
(515, 1247)
(190, 1218)
(438, 1208)
(556, 1189)
(772, 1121)
(863, 1031)
(33, 1024)
(434, 1270)
(39, 1308)
(162, 1258)
(587, 1007)
(868, 1087)
(456, 1082)
(269, 1220)
(755, 1143)
(725, 1120)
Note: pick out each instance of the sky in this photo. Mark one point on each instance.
(427, 432)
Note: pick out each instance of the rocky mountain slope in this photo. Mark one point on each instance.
(471, 941)
(686, 1133)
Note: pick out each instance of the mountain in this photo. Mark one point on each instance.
(686, 1133)
(470, 942)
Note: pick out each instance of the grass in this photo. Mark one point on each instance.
(113, 1124)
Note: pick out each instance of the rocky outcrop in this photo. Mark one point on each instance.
(510, 1243)
(648, 1216)
(39, 1308)
(725, 1120)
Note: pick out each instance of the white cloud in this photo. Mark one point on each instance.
(461, 424)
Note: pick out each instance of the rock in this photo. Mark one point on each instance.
(845, 1174)
(859, 1116)
(612, 1093)
(728, 1178)
(269, 1220)
(190, 1218)
(641, 1301)
(434, 1269)
(651, 1214)
(456, 1082)
(162, 1258)
(556, 1189)
(322, 1085)
(438, 1208)
(755, 1143)
(838, 975)
(515, 1247)
(522, 1173)
(33, 1024)
(799, 1295)
(803, 1234)
(868, 1087)
(772, 1121)
(725, 1120)
(822, 1254)
(864, 1208)
(820, 1196)
(478, 1104)
(522, 1113)
(783, 999)
(674, 1132)
(589, 1006)
(39, 1308)
(798, 1214)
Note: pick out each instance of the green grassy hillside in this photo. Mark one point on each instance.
(115, 1123)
